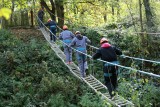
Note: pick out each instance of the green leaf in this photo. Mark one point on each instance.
(5, 12)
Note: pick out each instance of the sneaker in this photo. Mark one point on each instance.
(113, 97)
(51, 41)
(86, 71)
(70, 62)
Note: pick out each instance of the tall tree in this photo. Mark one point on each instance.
(12, 9)
(118, 10)
(51, 11)
(140, 14)
(56, 8)
(112, 12)
(149, 15)
(60, 12)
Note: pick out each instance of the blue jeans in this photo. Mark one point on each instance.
(53, 30)
(82, 63)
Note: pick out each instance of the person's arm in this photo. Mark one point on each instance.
(46, 24)
(73, 42)
(60, 36)
(72, 35)
(118, 51)
(43, 12)
(97, 54)
(87, 40)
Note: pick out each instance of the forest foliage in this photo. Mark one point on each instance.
(32, 81)
(32, 75)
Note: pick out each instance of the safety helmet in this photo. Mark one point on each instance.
(65, 27)
(77, 32)
(49, 20)
(103, 40)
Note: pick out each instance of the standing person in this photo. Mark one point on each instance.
(40, 16)
(52, 26)
(67, 37)
(109, 53)
(80, 43)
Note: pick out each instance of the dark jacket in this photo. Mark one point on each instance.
(51, 23)
(107, 53)
(40, 14)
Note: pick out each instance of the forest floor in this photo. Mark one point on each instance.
(23, 33)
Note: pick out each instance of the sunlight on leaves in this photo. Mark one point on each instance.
(5, 12)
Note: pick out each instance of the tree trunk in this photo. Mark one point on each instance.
(50, 11)
(112, 12)
(57, 7)
(26, 18)
(140, 15)
(149, 16)
(12, 9)
(105, 15)
(34, 10)
(60, 13)
(118, 10)
(22, 17)
(31, 12)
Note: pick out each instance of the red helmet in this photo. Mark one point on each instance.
(49, 20)
(65, 27)
(103, 40)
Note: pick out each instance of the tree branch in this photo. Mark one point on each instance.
(89, 2)
(43, 3)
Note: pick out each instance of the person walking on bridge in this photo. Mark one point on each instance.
(109, 53)
(52, 26)
(40, 16)
(80, 42)
(67, 37)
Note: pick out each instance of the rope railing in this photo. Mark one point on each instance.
(129, 68)
(147, 33)
(125, 56)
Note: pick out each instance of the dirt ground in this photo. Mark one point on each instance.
(24, 33)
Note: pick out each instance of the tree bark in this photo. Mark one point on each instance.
(31, 12)
(140, 15)
(112, 12)
(26, 17)
(105, 15)
(50, 11)
(60, 13)
(149, 15)
(22, 17)
(57, 7)
(118, 10)
(12, 9)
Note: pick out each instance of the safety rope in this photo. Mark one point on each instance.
(140, 71)
(112, 88)
(125, 56)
